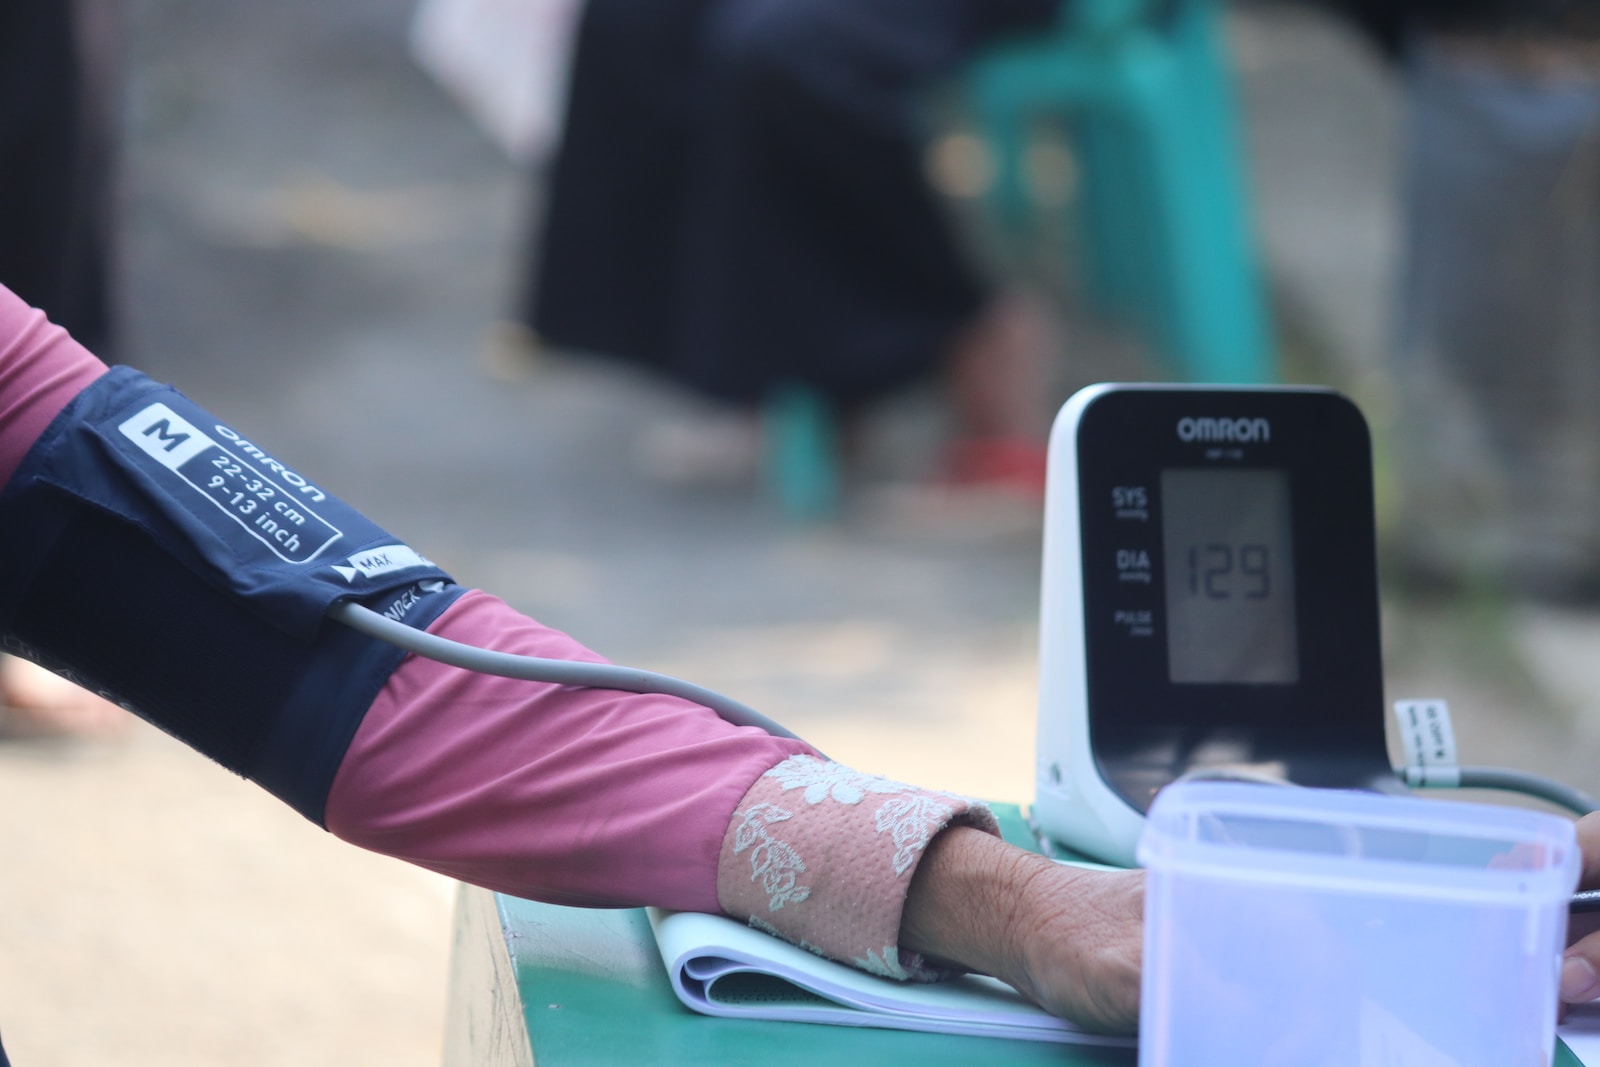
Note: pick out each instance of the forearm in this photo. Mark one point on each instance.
(1068, 939)
(824, 856)
(561, 793)
(963, 904)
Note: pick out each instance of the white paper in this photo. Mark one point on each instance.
(720, 967)
(505, 61)
(1581, 1032)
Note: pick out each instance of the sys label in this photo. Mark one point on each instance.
(263, 505)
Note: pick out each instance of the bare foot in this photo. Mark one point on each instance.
(35, 703)
(999, 370)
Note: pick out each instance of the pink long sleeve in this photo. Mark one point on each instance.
(590, 797)
(41, 369)
(567, 794)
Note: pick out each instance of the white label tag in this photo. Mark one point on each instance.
(166, 436)
(376, 562)
(1429, 742)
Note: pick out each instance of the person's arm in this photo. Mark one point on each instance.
(568, 794)
(915, 884)
(625, 799)
(598, 797)
(559, 793)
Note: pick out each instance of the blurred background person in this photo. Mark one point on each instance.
(739, 203)
(1497, 347)
(56, 241)
(56, 146)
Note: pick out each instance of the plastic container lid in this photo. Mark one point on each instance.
(1360, 842)
(1299, 926)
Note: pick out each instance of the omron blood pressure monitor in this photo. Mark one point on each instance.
(1210, 601)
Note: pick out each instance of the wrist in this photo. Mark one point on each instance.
(1068, 939)
(965, 900)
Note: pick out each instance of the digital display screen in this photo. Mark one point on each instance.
(1229, 566)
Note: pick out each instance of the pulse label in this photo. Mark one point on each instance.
(1137, 623)
(272, 514)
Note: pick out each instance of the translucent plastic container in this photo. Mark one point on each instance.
(1308, 927)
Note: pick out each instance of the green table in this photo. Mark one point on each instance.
(566, 987)
(574, 986)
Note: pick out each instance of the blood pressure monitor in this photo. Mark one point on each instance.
(1210, 601)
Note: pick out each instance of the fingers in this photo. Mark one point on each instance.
(1580, 977)
(1588, 829)
(1580, 966)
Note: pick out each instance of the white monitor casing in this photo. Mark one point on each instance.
(1110, 693)
(1072, 802)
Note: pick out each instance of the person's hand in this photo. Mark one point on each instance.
(1580, 969)
(36, 704)
(1069, 939)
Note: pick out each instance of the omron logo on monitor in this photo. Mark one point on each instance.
(1242, 430)
(1210, 601)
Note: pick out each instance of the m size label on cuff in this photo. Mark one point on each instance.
(267, 500)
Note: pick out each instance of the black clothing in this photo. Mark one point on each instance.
(1390, 22)
(739, 198)
(55, 183)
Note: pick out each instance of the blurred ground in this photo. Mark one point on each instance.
(319, 245)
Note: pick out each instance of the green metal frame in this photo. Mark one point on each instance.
(1144, 91)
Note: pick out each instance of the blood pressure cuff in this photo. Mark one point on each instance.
(154, 554)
